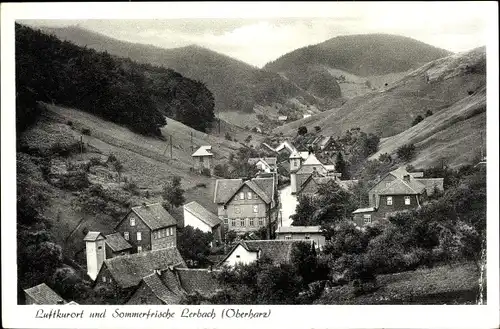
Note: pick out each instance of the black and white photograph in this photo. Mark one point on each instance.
(342, 157)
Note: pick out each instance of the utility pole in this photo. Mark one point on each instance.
(191, 141)
(81, 144)
(170, 146)
(218, 120)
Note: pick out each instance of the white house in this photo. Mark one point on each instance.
(248, 251)
(96, 252)
(267, 165)
(203, 157)
(301, 233)
(199, 217)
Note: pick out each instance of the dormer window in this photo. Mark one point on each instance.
(249, 195)
(389, 200)
(242, 195)
(132, 221)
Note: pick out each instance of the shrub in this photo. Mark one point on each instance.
(302, 130)
(228, 136)
(66, 149)
(95, 161)
(75, 180)
(131, 187)
(317, 128)
(86, 131)
(111, 158)
(428, 113)
(203, 185)
(206, 172)
(69, 123)
(406, 152)
(418, 119)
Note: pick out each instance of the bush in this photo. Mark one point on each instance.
(86, 131)
(206, 172)
(66, 149)
(406, 152)
(428, 113)
(131, 187)
(418, 119)
(317, 129)
(228, 136)
(95, 161)
(75, 181)
(302, 130)
(203, 185)
(69, 123)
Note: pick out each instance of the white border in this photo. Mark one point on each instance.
(15, 316)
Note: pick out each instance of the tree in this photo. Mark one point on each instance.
(317, 129)
(305, 262)
(428, 113)
(248, 139)
(340, 166)
(302, 130)
(194, 245)
(305, 208)
(173, 193)
(417, 119)
(406, 152)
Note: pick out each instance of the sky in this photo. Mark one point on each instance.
(257, 33)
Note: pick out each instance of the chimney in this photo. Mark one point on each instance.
(60, 302)
(406, 178)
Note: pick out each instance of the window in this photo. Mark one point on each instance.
(139, 248)
(250, 222)
(237, 256)
(201, 159)
(237, 210)
(288, 237)
(249, 195)
(255, 208)
(242, 222)
(132, 221)
(389, 200)
(387, 184)
(103, 279)
(226, 221)
(407, 200)
(125, 235)
(233, 221)
(367, 218)
(261, 221)
(170, 231)
(154, 235)
(139, 237)
(255, 196)
(99, 248)
(242, 195)
(307, 237)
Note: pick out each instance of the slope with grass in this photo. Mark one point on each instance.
(452, 88)
(236, 85)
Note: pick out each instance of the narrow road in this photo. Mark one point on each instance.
(288, 205)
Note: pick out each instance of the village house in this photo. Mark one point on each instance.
(313, 233)
(168, 287)
(125, 273)
(398, 190)
(282, 118)
(247, 205)
(146, 227)
(264, 165)
(285, 147)
(312, 183)
(203, 158)
(199, 217)
(248, 251)
(42, 295)
(301, 169)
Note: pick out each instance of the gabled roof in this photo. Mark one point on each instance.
(202, 214)
(270, 148)
(160, 290)
(225, 189)
(312, 160)
(299, 229)
(203, 151)
(43, 295)
(128, 270)
(286, 144)
(279, 251)
(363, 210)
(93, 236)
(330, 167)
(116, 242)
(399, 174)
(267, 160)
(399, 187)
(197, 280)
(154, 216)
(295, 155)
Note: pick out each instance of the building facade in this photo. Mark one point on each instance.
(301, 233)
(203, 158)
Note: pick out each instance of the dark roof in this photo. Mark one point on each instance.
(128, 270)
(200, 280)
(225, 189)
(279, 251)
(154, 216)
(202, 214)
(93, 236)
(160, 290)
(116, 242)
(43, 295)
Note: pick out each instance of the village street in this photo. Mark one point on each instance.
(288, 202)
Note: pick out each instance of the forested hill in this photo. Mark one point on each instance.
(135, 95)
(362, 55)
